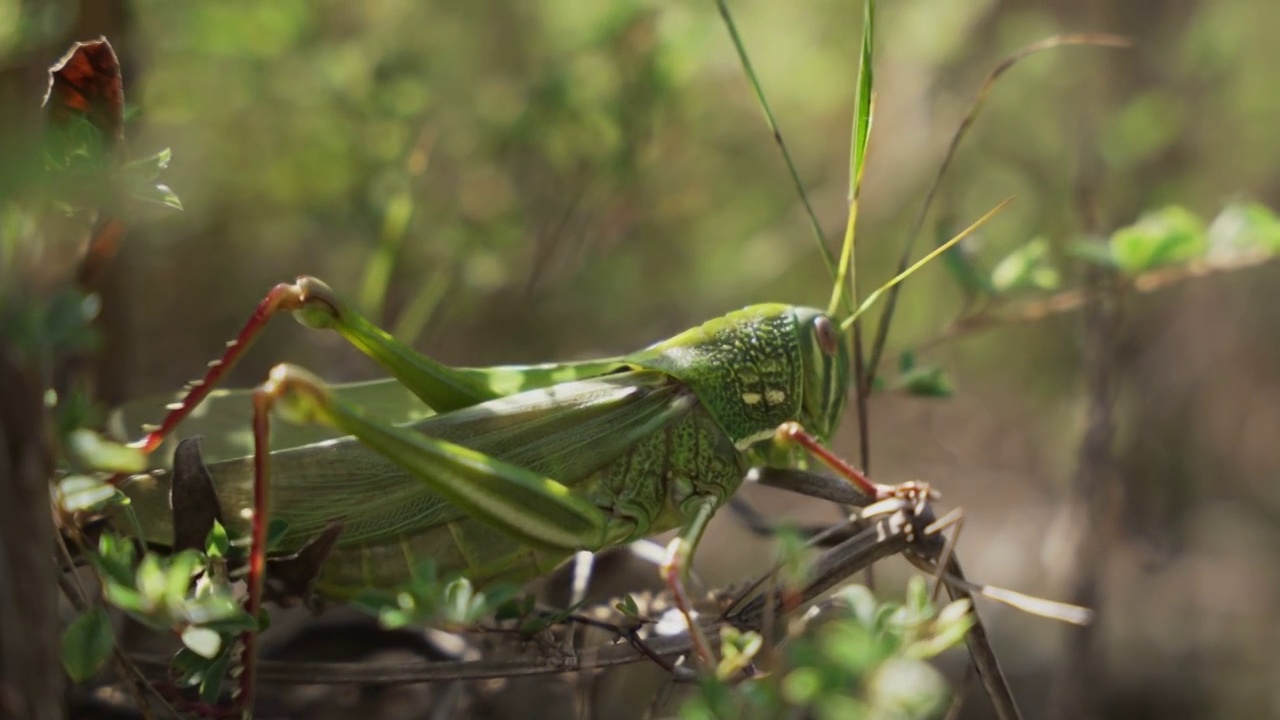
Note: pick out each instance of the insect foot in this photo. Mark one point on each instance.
(318, 305)
(298, 395)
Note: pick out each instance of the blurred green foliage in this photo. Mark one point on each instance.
(522, 182)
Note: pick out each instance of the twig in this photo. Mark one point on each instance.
(1076, 298)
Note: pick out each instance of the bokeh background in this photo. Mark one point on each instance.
(516, 182)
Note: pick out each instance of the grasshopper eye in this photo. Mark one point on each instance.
(828, 338)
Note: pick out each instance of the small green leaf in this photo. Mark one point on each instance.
(928, 381)
(98, 453)
(1243, 228)
(152, 581)
(189, 666)
(163, 195)
(907, 688)
(126, 598)
(202, 641)
(1026, 268)
(217, 543)
(181, 567)
(87, 643)
(802, 685)
(737, 650)
(149, 168)
(207, 608)
(1167, 236)
(115, 558)
(211, 684)
(238, 622)
(918, 596)
(77, 493)
(628, 607)
(861, 602)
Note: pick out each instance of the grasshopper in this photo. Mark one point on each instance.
(510, 470)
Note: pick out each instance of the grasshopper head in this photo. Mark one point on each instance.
(825, 357)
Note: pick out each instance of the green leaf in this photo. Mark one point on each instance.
(234, 624)
(861, 602)
(87, 643)
(78, 493)
(217, 543)
(202, 641)
(126, 598)
(628, 607)
(802, 686)
(926, 381)
(907, 688)
(1167, 236)
(115, 558)
(217, 609)
(1243, 228)
(149, 168)
(862, 101)
(152, 580)
(737, 649)
(98, 453)
(211, 684)
(189, 666)
(161, 194)
(918, 596)
(181, 567)
(1026, 268)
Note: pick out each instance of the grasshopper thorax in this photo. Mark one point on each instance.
(759, 367)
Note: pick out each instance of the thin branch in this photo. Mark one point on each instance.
(1074, 299)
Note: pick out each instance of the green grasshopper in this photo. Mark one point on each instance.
(514, 468)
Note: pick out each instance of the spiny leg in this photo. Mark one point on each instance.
(316, 305)
(281, 297)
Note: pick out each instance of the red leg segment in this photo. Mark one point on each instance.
(793, 432)
(285, 297)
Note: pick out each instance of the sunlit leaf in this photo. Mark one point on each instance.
(1163, 237)
(1026, 268)
(202, 641)
(78, 493)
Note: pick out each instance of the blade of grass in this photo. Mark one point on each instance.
(863, 109)
(888, 287)
(863, 106)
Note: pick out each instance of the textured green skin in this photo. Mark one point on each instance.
(648, 434)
